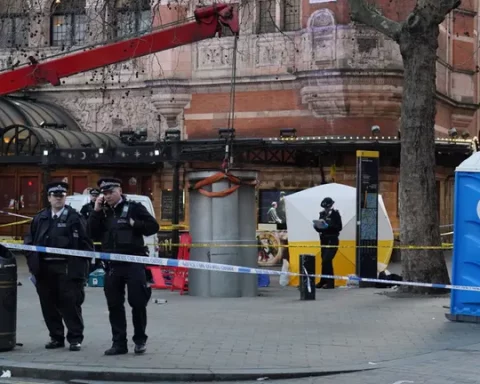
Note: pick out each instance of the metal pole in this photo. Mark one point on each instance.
(173, 135)
(45, 175)
(176, 206)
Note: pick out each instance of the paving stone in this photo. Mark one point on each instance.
(342, 328)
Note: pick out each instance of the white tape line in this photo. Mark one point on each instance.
(217, 267)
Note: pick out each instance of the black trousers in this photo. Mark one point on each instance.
(328, 254)
(61, 300)
(130, 275)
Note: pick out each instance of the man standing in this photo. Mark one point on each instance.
(329, 226)
(120, 226)
(88, 208)
(60, 279)
(272, 214)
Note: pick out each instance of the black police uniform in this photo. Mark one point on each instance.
(89, 207)
(60, 279)
(329, 236)
(112, 228)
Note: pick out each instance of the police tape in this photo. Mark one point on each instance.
(16, 215)
(217, 267)
(444, 246)
(15, 223)
(171, 227)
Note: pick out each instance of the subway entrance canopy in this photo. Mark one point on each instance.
(40, 133)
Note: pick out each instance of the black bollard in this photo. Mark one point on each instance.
(8, 300)
(307, 284)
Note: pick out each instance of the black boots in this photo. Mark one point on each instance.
(116, 350)
(122, 350)
(54, 344)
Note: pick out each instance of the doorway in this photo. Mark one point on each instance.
(20, 194)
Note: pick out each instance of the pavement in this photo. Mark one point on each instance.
(274, 335)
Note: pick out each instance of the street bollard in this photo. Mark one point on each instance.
(307, 283)
(8, 300)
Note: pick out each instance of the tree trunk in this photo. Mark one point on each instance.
(418, 192)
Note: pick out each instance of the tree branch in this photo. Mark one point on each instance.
(436, 10)
(359, 11)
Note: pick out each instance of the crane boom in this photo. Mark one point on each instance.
(208, 21)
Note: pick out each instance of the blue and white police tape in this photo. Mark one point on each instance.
(208, 266)
(16, 215)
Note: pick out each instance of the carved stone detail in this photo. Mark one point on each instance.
(321, 19)
(214, 58)
(367, 48)
(215, 54)
(274, 51)
(321, 37)
(110, 115)
(171, 108)
(354, 97)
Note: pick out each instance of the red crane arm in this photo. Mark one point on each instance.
(208, 21)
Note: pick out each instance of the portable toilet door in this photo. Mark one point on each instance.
(465, 304)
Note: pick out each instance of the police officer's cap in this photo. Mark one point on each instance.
(108, 183)
(94, 191)
(57, 189)
(327, 202)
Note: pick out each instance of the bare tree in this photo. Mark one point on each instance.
(417, 37)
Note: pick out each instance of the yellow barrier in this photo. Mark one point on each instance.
(164, 227)
(171, 227)
(16, 223)
(408, 247)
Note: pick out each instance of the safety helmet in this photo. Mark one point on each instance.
(327, 202)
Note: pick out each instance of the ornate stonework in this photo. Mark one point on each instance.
(354, 97)
(171, 106)
(112, 114)
(321, 36)
(339, 71)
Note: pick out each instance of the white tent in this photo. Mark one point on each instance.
(303, 207)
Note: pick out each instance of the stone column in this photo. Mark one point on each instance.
(170, 106)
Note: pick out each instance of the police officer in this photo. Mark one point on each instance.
(60, 279)
(120, 225)
(88, 208)
(329, 226)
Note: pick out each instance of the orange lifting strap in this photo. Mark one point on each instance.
(217, 177)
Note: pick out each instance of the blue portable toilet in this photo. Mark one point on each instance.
(465, 305)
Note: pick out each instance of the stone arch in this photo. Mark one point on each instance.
(321, 18)
(322, 34)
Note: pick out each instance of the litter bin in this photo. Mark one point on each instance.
(8, 300)
(307, 283)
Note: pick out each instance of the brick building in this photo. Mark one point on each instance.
(300, 64)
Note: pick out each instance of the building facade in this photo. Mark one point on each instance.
(299, 64)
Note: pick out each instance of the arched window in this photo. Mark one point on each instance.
(132, 16)
(13, 24)
(69, 22)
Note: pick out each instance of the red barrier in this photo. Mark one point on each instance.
(180, 278)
